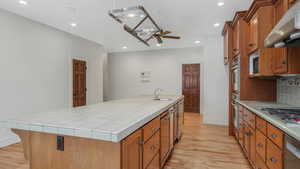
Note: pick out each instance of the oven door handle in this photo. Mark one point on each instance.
(294, 150)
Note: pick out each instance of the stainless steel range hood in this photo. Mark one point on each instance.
(287, 31)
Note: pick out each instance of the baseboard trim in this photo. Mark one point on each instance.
(9, 141)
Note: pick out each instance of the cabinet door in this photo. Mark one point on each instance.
(180, 118)
(280, 55)
(252, 146)
(236, 39)
(226, 47)
(247, 139)
(261, 142)
(253, 39)
(165, 137)
(274, 156)
(132, 153)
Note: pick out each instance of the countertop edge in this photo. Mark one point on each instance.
(277, 123)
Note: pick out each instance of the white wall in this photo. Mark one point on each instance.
(165, 67)
(36, 68)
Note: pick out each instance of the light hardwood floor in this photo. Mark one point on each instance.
(201, 147)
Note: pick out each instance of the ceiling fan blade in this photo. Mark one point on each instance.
(171, 37)
(165, 33)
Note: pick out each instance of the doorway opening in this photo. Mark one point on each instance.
(79, 83)
(191, 87)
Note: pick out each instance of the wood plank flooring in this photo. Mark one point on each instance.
(201, 147)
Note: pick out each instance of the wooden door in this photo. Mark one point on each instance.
(132, 151)
(165, 137)
(191, 87)
(79, 83)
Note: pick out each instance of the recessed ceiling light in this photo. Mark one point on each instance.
(221, 3)
(197, 42)
(124, 47)
(73, 24)
(159, 44)
(216, 24)
(23, 2)
(131, 15)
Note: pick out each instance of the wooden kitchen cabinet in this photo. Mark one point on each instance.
(261, 21)
(132, 151)
(285, 60)
(274, 156)
(151, 149)
(261, 141)
(236, 38)
(252, 152)
(253, 34)
(228, 39)
(275, 135)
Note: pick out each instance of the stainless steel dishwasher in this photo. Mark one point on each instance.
(291, 153)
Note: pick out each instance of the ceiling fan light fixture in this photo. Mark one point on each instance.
(159, 44)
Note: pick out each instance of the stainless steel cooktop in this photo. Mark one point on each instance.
(288, 115)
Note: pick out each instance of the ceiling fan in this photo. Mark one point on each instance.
(164, 34)
(140, 29)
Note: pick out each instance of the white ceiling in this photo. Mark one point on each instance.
(191, 19)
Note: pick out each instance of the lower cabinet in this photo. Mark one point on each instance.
(261, 142)
(132, 151)
(150, 146)
(154, 163)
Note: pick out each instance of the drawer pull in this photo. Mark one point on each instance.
(273, 159)
(274, 136)
(152, 148)
(260, 145)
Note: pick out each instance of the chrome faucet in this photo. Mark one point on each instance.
(157, 93)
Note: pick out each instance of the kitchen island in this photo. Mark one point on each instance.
(137, 133)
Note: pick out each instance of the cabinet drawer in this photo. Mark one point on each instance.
(150, 128)
(261, 125)
(151, 148)
(261, 142)
(274, 156)
(275, 135)
(260, 164)
(154, 163)
(250, 119)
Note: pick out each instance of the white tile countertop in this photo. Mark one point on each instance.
(108, 121)
(292, 130)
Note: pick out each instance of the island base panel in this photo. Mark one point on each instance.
(40, 150)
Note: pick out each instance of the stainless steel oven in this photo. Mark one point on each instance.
(235, 107)
(291, 153)
(235, 71)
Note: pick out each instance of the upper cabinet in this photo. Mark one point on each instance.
(253, 34)
(227, 34)
(285, 60)
(260, 19)
(236, 36)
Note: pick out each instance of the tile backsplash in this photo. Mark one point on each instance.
(288, 91)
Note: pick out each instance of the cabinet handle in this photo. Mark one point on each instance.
(260, 145)
(153, 148)
(274, 136)
(273, 159)
(251, 45)
(284, 62)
